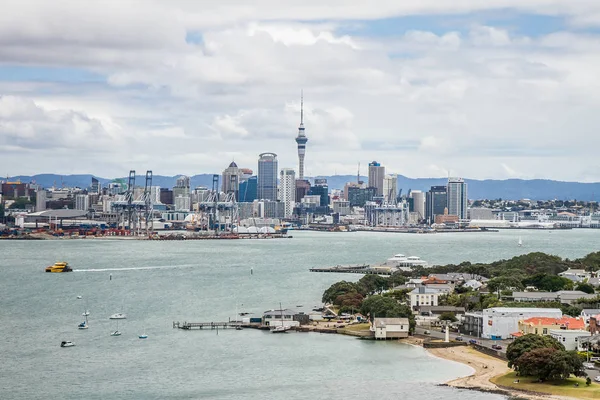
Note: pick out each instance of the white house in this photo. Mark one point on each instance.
(473, 284)
(390, 328)
(569, 338)
(587, 313)
(500, 322)
(424, 296)
(279, 318)
(576, 275)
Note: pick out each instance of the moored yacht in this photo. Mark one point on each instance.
(118, 316)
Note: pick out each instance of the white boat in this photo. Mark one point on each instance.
(520, 244)
(143, 336)
(79, 297)
(118, 316)
(66, 343)
(280, 329)
(84, 324)
(85, 313)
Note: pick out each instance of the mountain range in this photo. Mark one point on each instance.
(512, 189)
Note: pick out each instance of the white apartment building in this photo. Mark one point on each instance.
(501, 322)
(287, 190)
(424, 296)
(82, 202)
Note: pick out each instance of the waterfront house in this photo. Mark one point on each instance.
(501, 322)
(543, 325)
(424, 296)
(390, 328)
(571, 339)
(279, 318)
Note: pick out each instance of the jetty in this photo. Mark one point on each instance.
(206, 325)
(356, 269)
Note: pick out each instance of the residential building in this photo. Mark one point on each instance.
(436, 202)
(424, 296)
(543, 325)
(594, 324)
(587, 313)
(390, 189)
(576, 275)
(418, 203)
(302, 189)
(287, 191)
(472, 324)
(457, 197)
(322, 191)
(269, 209)
(267, 177)
(182, 203)
(82, 202)
(501, 322)
(376, 175)
(484, 214)
(341, 207)
(570, 339)
(95, 187)
(166, 196)
(391, 328)
(358, 196)
(564, 296)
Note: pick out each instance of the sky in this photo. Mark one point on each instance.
(429, 88)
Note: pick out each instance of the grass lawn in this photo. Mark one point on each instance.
(357, 327)
(560, 388)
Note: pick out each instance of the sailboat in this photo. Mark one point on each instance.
(520, 244)
(84, 324)
(280, 328)
(117, 332)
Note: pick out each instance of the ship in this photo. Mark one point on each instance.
(59, 267)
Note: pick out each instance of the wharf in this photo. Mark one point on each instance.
(355, 269)
(207, 325)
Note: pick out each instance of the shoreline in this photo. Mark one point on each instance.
(484, 368)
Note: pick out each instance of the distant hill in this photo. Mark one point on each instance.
(512, 189)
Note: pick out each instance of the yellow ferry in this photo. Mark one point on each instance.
(59, 267)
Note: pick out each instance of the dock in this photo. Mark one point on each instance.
(355, 269)
(206, 325)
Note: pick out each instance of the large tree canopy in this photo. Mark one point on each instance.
(386, 307)
(528, 343)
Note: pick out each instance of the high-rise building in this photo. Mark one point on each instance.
(182, 203)
(231, 179)
(376, 175)
(301, 140)
(418, 201)
(82, 202)
(267, 176)
(166, 196)
(40, 200)
(436, 202)
(182, 187)
(358, 196)
(248, 190)
(287, 190)
(323, 192)
(457, 197)
(302, 189)
(95, 188)
(390, 189)
(155, 195)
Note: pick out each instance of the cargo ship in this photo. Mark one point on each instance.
(59, 267)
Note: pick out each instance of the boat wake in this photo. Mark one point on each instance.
(134, 268)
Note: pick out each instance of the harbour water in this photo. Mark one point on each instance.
(155, 283)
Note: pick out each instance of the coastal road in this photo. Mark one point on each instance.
(480, 341)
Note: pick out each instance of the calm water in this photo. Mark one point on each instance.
(156, 283)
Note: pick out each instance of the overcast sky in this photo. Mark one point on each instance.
(474, 88)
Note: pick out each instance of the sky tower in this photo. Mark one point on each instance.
(301, 139)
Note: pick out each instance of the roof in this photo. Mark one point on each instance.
(517, 334)
(590, 311)
(279, 312)
(442, 309)
(391, 321)
(569, 322)
(233, 165)
(574, 271)
(523, 310)
(62, 213)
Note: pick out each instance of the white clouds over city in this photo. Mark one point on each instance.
(494, 89)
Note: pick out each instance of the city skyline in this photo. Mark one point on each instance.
(484, 90)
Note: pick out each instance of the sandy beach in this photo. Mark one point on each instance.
(486, 367)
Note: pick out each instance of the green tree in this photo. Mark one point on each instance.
(396, 280)
(528, 343)
(564, 364)
(371, 284)
(535, 362)
(504, 282)
(350, 301)
(448, 316)
(585, 287)
(338, 289)
(550, 283)
(20, 203)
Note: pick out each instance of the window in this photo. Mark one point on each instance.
(536, 331)
(545, 331)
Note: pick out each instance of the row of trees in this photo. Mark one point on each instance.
(543, 357)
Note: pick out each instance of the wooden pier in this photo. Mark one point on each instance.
(354, 269)
(207, 325)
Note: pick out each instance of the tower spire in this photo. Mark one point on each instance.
(301, 106)
(301, 139)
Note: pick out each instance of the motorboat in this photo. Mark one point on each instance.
(83, 325)
(59, 267)
(66, 343)
(79, 297)
(118, 316)
(143, 336)
(115, 333)
(85, 313)
(280, 329)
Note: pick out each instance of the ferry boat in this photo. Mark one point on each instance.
(59, 267)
